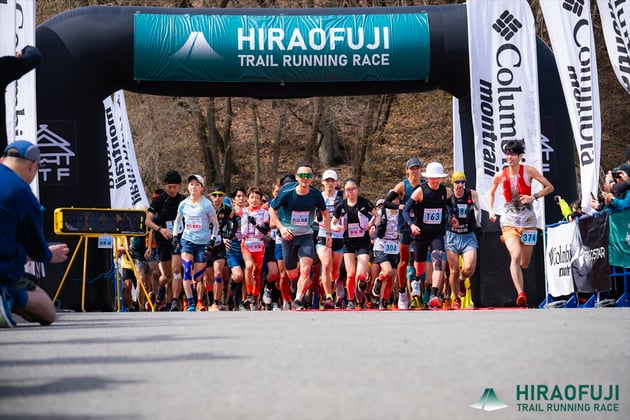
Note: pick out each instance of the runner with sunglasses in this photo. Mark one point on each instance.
(293, 212)
(462, 238)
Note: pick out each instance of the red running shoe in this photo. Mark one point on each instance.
(521, 300)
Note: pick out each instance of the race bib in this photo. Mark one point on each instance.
(254, 245)
(193, 223)
(461, 210)
(169, 225)
(354, 230)
(432, 216)
(299, 218)
(529, 237)
(389, 246)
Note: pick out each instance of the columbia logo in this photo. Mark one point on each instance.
(489, 401)
(507, 25)
(574, 6)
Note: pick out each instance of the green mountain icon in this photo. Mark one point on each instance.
(489, 401)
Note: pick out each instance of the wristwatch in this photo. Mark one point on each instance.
(536, 196)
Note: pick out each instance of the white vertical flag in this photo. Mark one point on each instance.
(571, 32)
(504, 90)
(615, 15)
(125, 184)
(458, 149)
(7, 47)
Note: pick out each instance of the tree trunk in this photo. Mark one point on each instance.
(256, 135)
(228, 166)
(213, 140)
(277, 136)
(311, 146)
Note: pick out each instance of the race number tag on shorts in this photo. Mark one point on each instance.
(254, 245)
(169, 225)
(432, 216)
(193, 223)
(299, 218)
(529, 237)
(354, 230)
(389, 246)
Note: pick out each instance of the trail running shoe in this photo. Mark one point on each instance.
(191, 308)
(415, 288)
(403, 301)
(521, 300)
(6, 306)
(382, 306)
(174, 306)
(275, 307)
(434, 302)
(201, 307)
(457, 303)
(329, 304)
(267, 295)
(298, 305)
(376, 288)
(351, 306)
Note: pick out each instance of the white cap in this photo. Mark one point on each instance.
(434, 170)
(199, 178)
(380, 201)
(329, 173)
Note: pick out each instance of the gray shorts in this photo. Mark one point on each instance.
(460, 242)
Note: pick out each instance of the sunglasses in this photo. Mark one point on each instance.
(460, 182)
(351, 189)
(306, 175)
(217, 194)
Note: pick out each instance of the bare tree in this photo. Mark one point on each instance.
(277, 136)
(256, 138)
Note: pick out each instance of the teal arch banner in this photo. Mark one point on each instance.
(305, 48)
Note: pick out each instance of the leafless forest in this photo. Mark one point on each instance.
(244, 141)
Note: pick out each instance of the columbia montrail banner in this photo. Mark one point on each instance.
(25, 123)
(226, 48)
(615, 16)
(571, 32)
(619, 245)
(7, 47)
(589, 254)
(125, 185)
(558, 261)
(504, 90)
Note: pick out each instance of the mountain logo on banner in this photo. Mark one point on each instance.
(196, 47)
(489, 401)
(575, 6)
(507, 25)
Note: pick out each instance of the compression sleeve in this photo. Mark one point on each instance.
(406, 211)
(389, 200)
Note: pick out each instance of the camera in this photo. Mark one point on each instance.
(616, 174)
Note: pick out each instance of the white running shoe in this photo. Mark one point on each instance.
(267, 296)
(403, 301)
(415, 288)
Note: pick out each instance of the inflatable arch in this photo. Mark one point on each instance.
(91, 52)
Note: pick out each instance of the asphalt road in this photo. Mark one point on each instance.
(320, 365)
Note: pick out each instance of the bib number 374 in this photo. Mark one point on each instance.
(529, 237)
